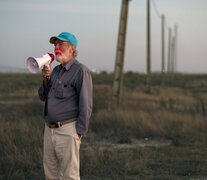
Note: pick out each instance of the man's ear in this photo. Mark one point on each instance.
(73, 47)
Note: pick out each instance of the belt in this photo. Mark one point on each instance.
(61, 123)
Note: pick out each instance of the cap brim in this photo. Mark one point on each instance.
(53, 39)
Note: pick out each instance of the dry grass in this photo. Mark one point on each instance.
(161, 135)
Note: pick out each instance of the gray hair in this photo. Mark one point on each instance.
(75, 53)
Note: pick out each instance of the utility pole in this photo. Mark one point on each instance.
(163, 48)
(175, 48)
(148, 90)
(119, 63)
(169, 50)
(172, 58)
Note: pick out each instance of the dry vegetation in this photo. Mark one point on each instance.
(161, 135)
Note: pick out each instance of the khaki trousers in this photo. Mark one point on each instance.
(61, 153)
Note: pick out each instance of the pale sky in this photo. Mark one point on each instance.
(27, 25)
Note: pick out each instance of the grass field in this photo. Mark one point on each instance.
(150, 136)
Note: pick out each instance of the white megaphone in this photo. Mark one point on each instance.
(34, 64)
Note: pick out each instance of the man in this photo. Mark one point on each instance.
(68, 94)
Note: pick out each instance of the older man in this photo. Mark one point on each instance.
(68, 94)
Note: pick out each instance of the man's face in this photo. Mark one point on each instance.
(63, 51)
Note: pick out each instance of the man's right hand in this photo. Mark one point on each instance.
(46, 71)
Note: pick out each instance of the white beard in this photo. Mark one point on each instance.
(61, 58)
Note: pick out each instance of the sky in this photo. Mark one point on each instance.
(27, 25)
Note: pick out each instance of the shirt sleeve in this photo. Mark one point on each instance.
(41, 92)
(85, 98)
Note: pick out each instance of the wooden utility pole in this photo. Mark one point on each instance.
(119, 63)
(172, 58)
(169, 50)
(175, 48)
(148, 90)
(163, 48)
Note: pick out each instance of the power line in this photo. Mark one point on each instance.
(158, 13)
(156, 9)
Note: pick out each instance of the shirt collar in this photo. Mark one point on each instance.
(70, 63)
(67, 66)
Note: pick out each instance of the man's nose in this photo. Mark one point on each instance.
(56, 47)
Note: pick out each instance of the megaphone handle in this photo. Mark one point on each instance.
(46, 96)
(46, 79)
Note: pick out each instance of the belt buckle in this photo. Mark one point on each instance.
(58, 124)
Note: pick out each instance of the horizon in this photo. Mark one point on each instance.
(13, 70)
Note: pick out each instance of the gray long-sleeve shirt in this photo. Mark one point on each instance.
(70, 95)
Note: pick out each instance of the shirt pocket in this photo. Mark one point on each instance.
(63, 90)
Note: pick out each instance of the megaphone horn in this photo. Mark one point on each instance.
(34, 64)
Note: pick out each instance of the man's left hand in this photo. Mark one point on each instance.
(79, 135)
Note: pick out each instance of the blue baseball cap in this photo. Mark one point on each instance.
(65, 36)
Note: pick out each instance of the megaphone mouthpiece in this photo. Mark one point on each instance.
(52, 57)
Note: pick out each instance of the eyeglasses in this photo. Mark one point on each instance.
(61, 43)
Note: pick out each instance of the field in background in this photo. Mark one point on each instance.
(161, 135)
